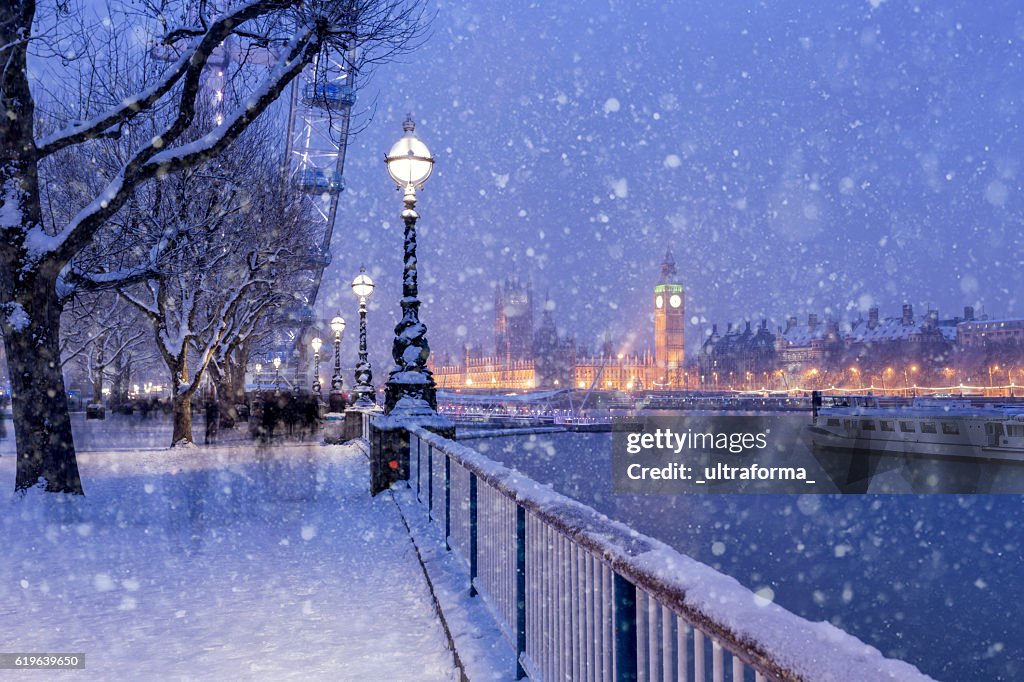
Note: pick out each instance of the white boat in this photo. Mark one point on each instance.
(929, 427)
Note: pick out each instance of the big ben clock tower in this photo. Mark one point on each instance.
(668, 319)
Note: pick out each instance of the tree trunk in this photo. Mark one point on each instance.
(228, 415)
(182, 420)
(97, 377)
(42, 424)
(121, 381)
(29, 310)
(231, 390)
(221, 394)
(181, 402)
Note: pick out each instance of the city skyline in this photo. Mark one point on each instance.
(641, 340)
(834, 159)
(814, 352)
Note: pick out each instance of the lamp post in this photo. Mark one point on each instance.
(336, 400)
(362, 287)
(259, 368)
(316, 343)
(411, 394)
(410, 382)
(277, 374)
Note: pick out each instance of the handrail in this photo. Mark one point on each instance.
(771, 640)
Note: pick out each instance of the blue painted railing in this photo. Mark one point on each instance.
(581, 597)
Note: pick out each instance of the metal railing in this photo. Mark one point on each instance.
(581, 597)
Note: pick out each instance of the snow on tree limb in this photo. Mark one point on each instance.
(194, 57)
(150, 161)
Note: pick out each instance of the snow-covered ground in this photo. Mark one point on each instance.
(219, 563)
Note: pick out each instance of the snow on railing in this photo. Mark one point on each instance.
(582, 597)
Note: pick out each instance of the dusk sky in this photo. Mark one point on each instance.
(796, 159)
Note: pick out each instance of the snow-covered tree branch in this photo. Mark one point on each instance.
(135, 123)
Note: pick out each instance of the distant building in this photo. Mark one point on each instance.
(972, 333)
(744, 356)
(669, 320)
(905, 350)
(525, 358)
(991, 351)
(513, 320)
(554, 357)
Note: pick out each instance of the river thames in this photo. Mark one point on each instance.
(931, 579)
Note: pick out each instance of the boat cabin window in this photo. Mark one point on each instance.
(887, 425)
(849, 401)
(867, 424)
(907, 427)
(928, 427)
(1015, 431)
(950, 428)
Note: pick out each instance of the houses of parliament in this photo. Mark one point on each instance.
(530, 354)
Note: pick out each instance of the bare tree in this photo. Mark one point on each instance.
(104, 336)
(232, 256)
(35, 253)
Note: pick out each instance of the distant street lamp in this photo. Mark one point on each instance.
(906, 378)
(316, 343)
(277, 374)
(410, 382)
(336, 400)
(259, 368)
(362, 287)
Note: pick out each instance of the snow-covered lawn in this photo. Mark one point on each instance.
(218, 563)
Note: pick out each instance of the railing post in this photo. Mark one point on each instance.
(472, 534)
(430, 482)
(520, 590)
(624, 596)
(419, 469)
(447, 501)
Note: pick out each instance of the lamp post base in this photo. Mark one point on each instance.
(364, 396)
(355, 417)
(334, 428)
(410, 394)
(389, 445)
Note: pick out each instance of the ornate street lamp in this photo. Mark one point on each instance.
(362, 287)
(409, 163)
(336, 400)
(277, 374)
(259, 368)
(316, 343)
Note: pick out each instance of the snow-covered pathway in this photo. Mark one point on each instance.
(218, 563)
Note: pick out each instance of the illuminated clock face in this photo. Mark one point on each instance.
(659, 301)
(675, 301)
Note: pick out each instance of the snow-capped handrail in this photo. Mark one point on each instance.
(666, 592)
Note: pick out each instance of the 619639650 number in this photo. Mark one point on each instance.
(41, 661)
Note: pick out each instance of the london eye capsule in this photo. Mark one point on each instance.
(320, 180)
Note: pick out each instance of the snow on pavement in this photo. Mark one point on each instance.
(218, 563)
